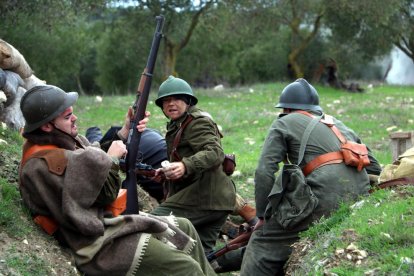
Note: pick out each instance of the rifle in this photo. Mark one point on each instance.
(134, 136)
(245, 231)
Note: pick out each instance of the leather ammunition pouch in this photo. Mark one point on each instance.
(355, 155)
(351, 153)
(229, 164)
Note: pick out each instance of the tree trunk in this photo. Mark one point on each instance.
(295, 67)
(170, 53)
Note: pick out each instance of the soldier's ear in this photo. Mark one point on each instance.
(48, 127)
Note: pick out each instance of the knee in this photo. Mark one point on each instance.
(185, 224)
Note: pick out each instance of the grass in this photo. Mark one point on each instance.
(244, 115)
(381, 226)
(11, 211)
(30, 264)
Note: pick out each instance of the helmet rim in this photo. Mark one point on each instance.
(69, 99)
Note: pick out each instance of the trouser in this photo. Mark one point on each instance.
(268, 250)
(230, 261)
(208, 223)
(161, 259)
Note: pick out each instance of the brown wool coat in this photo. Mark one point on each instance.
(101, 246)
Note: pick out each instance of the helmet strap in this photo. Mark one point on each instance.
(61, 131)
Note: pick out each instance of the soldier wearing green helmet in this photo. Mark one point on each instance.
(68, 184)
(198, 188)
(327, 185)
(175, 87)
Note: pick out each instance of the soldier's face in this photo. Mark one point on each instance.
(173, 107)
(66, 122)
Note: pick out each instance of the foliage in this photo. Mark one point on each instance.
(366, 27)
(57, 40)
(100, 47)
(122, 50)
(404, 30)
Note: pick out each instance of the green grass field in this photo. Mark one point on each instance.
(246, 113)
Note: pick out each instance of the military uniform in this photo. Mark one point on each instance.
(205, 194)
(269, 246)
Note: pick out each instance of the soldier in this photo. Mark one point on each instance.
(198, 189)
(327, 185)
(67, 185)
(152, 151)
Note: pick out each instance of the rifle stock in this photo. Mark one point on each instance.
(239, 241)
(134, 136)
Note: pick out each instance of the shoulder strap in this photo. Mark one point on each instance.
(306, 135)
(177, 138)
(327, 158)
(327, 120)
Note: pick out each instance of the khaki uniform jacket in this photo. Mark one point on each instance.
(204, 186)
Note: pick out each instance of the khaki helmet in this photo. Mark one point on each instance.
(41, 104)
(299, 95)
(175, 86)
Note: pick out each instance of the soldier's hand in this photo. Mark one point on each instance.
(117, 149)
(141, 126)
(175, 170)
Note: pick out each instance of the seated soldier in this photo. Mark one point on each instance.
(292, 208)
(67, 184)
(152, 151)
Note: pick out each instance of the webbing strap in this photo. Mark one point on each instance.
(335, 157)
(305, 137)
(177, 138)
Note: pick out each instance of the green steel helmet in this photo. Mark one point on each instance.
(41, 104)
(175, 86)
(299, 95)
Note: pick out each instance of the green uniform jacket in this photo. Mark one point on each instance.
(331, 184)
(204, 186)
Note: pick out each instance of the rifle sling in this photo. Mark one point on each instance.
(177, 138)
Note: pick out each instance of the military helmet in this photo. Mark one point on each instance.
(175, 86)
(299, 95)
(41, 104)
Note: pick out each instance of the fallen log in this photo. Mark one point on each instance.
(11, 59)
